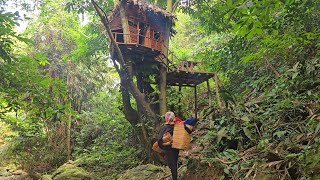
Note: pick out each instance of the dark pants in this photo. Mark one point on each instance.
(172, 160)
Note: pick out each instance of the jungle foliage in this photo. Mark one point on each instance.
(54, 74)
(58, 86)
(266, 53)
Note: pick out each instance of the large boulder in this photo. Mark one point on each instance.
(148, 171)
(70, 170)
(7, 174)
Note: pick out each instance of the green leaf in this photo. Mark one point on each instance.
(295, 67)
(279, 134)
(247, 132)
(226, 170)
(245, 118)
(295, 75)
(221, 133)
(292, 155)
(309, 93)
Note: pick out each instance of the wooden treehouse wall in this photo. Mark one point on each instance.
(143, 30)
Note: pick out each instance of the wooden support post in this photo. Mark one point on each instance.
(191, 68)
(115, 36)
(179, 99)
(201, 64)
(172, 61)
(187, 67)
(182, 65)
(209, 94)
(195, 102)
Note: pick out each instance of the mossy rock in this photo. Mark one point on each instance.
(70, 170)
(46, 177)
(148, 171)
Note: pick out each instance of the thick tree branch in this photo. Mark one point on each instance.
(105, 21)
(130, 114)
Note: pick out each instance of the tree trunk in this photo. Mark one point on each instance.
(130, 114)
(68, 138)
(145, 111)
(163, 90)
(125, 73)
(163, 70)
(124, 22)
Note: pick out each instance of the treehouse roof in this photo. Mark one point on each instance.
(145, 6)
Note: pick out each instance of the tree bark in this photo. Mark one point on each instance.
(130, 114)
(124, 22)
(163, 90)
(68, 138)
(163, 69)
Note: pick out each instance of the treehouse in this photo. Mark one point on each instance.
(140, 31)
(144, 39)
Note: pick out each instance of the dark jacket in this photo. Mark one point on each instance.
(163, 130)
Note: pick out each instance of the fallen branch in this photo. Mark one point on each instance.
(227, 162)
(166, 176)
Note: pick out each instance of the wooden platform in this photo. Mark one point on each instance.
(184, 78)
(138, 52)
(178, 74)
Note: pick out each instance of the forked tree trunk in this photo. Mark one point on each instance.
(128, 86)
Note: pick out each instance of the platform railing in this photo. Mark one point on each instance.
(177, 64)
(141, 40)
